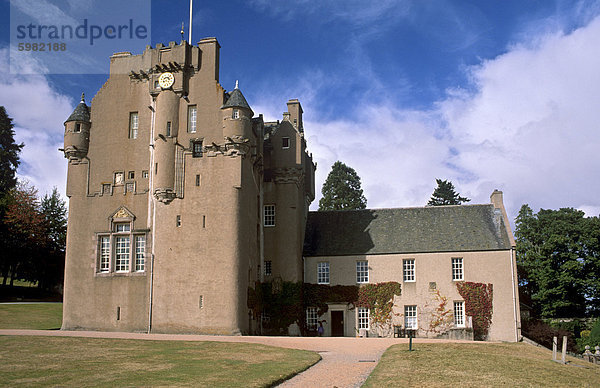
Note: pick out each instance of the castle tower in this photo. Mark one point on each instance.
(77, 132)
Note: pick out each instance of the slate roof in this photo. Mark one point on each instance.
(236, 100)
(405, 230)
(81, 113)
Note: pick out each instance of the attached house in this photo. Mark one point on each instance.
(429, 250)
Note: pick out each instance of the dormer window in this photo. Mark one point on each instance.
(235, 114)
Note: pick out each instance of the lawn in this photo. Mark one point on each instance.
(78, 362)
(31, 316)
(479, 365)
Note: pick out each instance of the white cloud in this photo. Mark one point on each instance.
(527, 125)
(38, 113)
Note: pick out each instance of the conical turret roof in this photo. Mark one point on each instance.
(81, 112)
(236, 100)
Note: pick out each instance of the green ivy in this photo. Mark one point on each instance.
(478, 304)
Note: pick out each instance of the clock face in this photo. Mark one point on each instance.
(166, 80)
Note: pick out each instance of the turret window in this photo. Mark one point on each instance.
(192, 115)
(133, 125)
(77, 127)
(168, 129)
(235, 114)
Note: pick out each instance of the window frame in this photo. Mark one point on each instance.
(197, 148)
(409, 273)
(410, 316)
(458, 269)
(268, 267)
(235, 114)
(122, 250)
(362, 271)
(192, 125)
(312, 318)
(140, 252)
(323, 272)
(285, 142)
(269, 214)
(460, 319)
(364, 318)
(134, 124)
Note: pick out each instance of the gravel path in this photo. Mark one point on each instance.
(346, 362)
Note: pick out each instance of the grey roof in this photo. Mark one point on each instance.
(405, 230)
(81, 112)
(236, 100)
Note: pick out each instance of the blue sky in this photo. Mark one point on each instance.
(488, 94)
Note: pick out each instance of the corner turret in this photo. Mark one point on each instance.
(237, 116)
(77, 132)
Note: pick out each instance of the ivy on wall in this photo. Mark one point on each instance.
(286, 302)
(379, 298)
(478, 304)
(442, 315)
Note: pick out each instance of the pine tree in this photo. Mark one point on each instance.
(9, 161)
(51, 264)
(445, 194)
(342, 190)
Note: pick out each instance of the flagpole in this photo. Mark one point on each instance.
(190, 38)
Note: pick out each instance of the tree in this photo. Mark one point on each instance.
(9, 153)
(341, 190)
(445, 194)
(51, 264)
(26, 233)
(558, 258)
(9, 161)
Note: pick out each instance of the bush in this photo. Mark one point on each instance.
(543, 334)
(589, 337)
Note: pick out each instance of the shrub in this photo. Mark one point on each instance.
(543, 334)
(589, 337)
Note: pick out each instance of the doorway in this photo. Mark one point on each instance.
(337, 323)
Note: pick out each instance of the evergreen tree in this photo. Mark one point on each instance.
(51, 264)
(342, 190)
(9, 161)
(445, 194)
(558, 258)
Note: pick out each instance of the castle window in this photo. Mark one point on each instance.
(140, 253)
(133, 125)
(410, 317)
(178, 221)
(459, 314)
(130, 187)
(197, 179)
(408, 270)
(363, 318)
(269, 215)
(104, 253)
(323, 272)
(131, 175)
(168, 129)
(235, 114)
(457, 269)
(362, 272)
(192, 114)
(106, 188)
(77, 128)
(122, 250)
(156, 85)
(145, 174)
(311, 318)
(285, 142)
(122, 227)
(197, 149)
(268, 267)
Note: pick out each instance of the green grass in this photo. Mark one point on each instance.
(60, 361)
(479, 365)
(43, 316)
